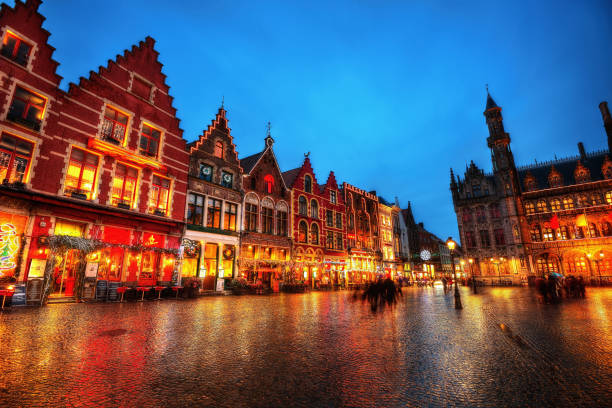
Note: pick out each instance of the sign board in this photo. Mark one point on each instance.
(37, 268)
(34, 290)
(91, 270)
(19, 297)
(220, 285)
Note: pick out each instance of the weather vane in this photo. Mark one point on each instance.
(306, 154)
(268, 128)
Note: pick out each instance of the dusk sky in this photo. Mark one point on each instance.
(387, 94)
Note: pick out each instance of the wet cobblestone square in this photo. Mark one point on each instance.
(314, 349)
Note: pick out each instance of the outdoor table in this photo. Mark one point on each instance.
(159, 290)
(142, 289)
(176, 289)
(122, 290)
(4, 293)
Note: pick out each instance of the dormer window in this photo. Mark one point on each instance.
(27, 108)
(219, 150)
(149, 140)
(227, 179)
(114, 126)
(14, 48)
(206, 171)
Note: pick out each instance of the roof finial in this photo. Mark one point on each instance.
(306, 155)
(487, 87)
(268, 133)
(223, 102)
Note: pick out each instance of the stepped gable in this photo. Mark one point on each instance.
(330, 183)
(27, 22)
(297, 177)
(135, 65)
(218, 129)
(593, 161)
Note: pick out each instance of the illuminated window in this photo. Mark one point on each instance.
(227, 179)
(542, 206)
(302, 206)
(149, 140)
(15, 157)
(124, 186)
(568, 203)
(329, 240)
(332, 197)
(269, 182)
(81, 174)
(548, 234)
(206, 172)
(302, 232)
(229, 218)
(213, 219)
(563, 232)
(16, 49)
(536, 233)
(308, 184)
(593, 233)
(339, 241)
(219, 150)
(314, 234)
(27, 108)
(314, 209)
(114, 125)
(529, 208)
(195, 209)
(609, 197)
(160, 194)
(555, 205)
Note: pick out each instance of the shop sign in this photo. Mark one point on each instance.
(220, 284)
(153, 240)
(37, 268)
(91, 270)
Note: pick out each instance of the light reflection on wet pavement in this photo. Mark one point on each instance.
(315, 349)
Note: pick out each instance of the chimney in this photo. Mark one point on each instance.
(607, 120)
(582, 152)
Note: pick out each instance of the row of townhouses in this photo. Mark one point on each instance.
(100, 190)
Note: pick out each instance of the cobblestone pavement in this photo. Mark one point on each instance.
(315, 349)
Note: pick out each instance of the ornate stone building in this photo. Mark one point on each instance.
(518, 222)
(214, 206)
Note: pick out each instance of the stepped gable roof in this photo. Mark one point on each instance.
(566, 167)
(289, 176)
(247, 163)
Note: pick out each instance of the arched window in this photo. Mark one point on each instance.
(219, 149)
(303, 206)
(302, 232)
(595, 199)
(314, 234)
(536, 234)
(568, 203)
(269, 183)
(530, 182)
(542, 206)
(606, 230)
(583, 201)
(314, 209)
(608, 197)
(307, 184)
(529, 208)
(555, 204)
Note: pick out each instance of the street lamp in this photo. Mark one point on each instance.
(451, 246)
(471, 261)
(597, 261)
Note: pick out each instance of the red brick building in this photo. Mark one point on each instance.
(93, 179)
(265, 241)
(335, 260)
(306, 224)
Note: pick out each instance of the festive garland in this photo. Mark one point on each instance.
(66, 242)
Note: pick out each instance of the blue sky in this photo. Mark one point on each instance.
(387, 94)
